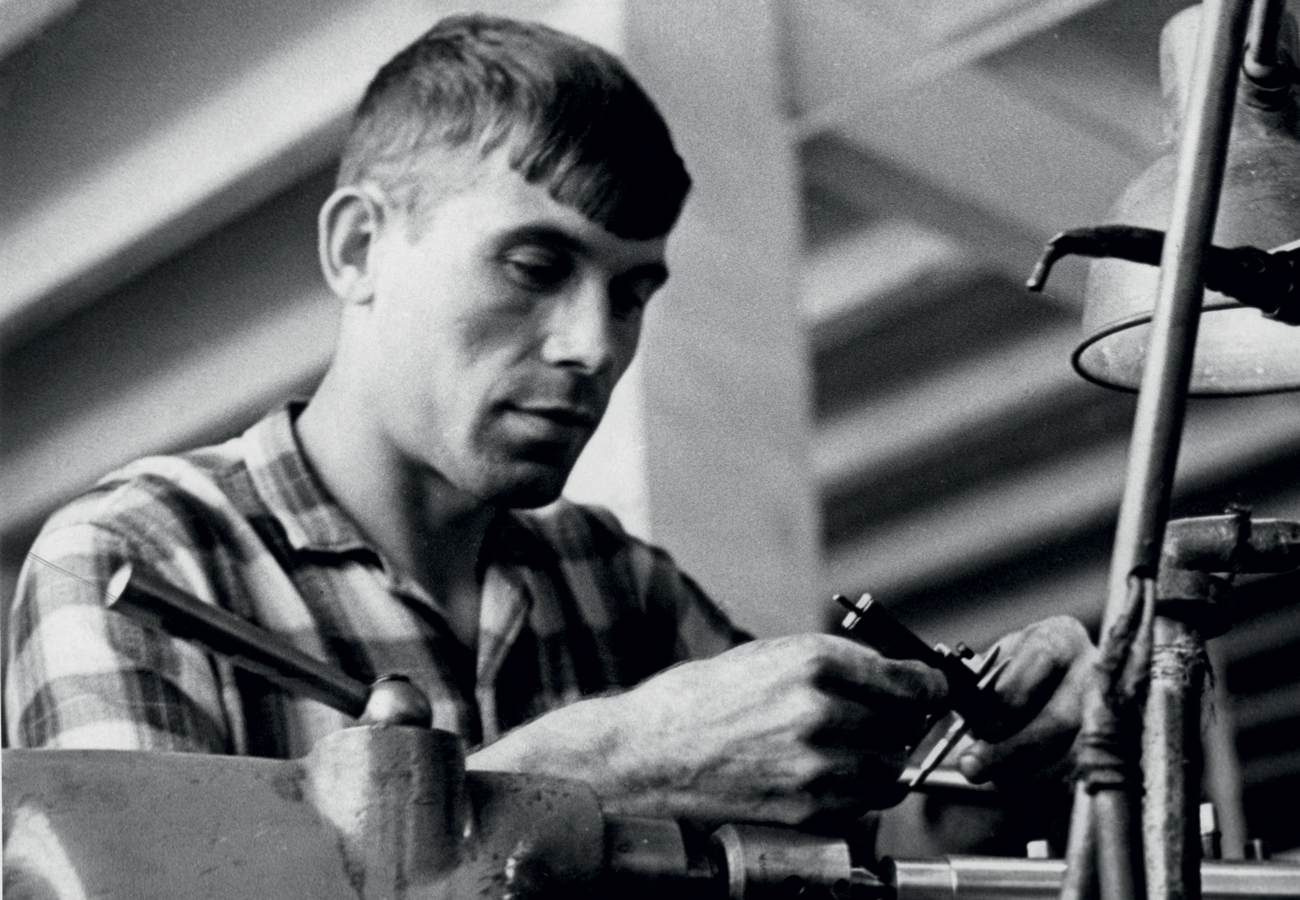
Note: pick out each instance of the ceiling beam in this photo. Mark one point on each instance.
(156, 169)
(22, 20)
(929, 413)
(240, 376)
(1007, 519)
(975, 133)
(844, 54)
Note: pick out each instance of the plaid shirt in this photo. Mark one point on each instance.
(571, 605)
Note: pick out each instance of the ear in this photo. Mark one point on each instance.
(348, 225)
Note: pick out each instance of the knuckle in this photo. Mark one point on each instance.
(913, 679)
(812, 711)
(814, 657)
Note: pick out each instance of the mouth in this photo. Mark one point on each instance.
(559, 414)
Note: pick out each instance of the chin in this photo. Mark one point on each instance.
(535, 486)
(526, 497)
(523, 476)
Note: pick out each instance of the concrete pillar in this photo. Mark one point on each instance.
(705, 451)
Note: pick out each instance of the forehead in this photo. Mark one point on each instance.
(471, 195)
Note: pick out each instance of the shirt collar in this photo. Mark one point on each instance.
(286, 484)
(312, 520)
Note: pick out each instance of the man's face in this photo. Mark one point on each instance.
(499, 325)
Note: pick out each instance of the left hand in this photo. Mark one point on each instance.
(1049, 667)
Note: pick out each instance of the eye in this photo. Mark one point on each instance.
(537, 268)
(626, 302)
(629, 296)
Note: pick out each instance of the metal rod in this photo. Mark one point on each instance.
(1162, 396)
(1101, 849)
(1262, 61)
(1172, 761)
(157, 604)
(997, 878)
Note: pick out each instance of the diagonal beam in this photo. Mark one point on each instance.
(1008, 518)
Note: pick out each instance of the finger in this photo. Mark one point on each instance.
(886, 706)
(866, 728)
(860, 782)
(1040, 659)
(1036, 751)
(862, 673)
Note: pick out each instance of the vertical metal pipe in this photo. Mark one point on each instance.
(1262, 58)
(1162, 396)
(1102, 853)
(1172, 760)
(1222, 765)
(1079, 880)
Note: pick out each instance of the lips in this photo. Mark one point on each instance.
(566, 416)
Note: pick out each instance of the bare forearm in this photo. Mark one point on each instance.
(586, 741)
(751, 734)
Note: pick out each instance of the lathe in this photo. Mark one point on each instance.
(386, 809)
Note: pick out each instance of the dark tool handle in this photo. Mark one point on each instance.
(876, 627)
(157, 604)
(873, 625)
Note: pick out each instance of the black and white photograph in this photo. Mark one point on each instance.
(694, 449)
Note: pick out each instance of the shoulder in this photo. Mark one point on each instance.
(172, 513)
(153, 495)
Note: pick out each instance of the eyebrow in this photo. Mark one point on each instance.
(549, 234)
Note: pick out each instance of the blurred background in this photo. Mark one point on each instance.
(845, 386)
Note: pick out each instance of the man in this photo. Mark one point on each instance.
(498, 228)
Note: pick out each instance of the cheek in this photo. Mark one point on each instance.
(627, 340)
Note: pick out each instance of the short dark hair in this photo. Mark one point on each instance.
(570, 114)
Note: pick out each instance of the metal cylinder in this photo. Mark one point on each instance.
(1007, 878)
(1172, 761)
(397, 800)
(762, 861)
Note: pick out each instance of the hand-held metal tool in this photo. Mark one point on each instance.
(970, 685)
(163, 606)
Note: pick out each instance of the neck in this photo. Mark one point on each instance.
(427, 529)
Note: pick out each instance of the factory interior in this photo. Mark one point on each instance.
(845, 386)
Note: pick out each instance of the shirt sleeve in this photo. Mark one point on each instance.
(81, 676)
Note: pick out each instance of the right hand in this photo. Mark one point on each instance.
(790, 730)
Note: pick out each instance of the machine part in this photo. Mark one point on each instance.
(372, 813)
(1266, 280)
(394, 700)
(763, 862)
(1257, 849)
(950, 782)
(157, 604)
(988, 673)
(651, 858)
(1211, 837)
(1006, 878)
(1232, 542)
(969, 691)
(1171, 760)
(396, 799)
(381, 813)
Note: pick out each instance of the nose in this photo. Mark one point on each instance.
(580, 331)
